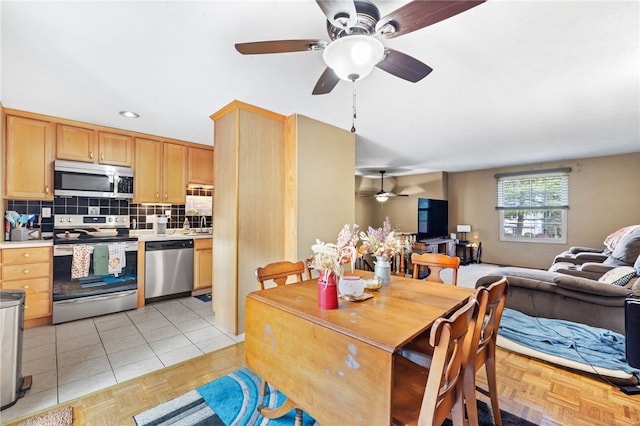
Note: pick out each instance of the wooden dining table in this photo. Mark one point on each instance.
(337, 365)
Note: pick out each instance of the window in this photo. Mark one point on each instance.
(533, 205)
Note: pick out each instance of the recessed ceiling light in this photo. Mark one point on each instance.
(129, 114)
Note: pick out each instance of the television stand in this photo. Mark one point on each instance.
(435, 245)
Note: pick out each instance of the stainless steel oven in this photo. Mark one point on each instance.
(94, 267)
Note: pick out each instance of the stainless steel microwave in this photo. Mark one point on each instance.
(74, 178)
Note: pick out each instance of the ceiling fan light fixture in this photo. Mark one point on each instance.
(381, 198)
(353, 57)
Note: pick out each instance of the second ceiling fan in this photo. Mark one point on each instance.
(355, 29)
(382, 195)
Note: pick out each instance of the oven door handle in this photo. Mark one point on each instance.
(95, 298)
(67, 249)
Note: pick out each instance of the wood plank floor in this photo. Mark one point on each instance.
(537, 391)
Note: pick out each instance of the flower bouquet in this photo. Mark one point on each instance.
(384, 244)
(328, 259)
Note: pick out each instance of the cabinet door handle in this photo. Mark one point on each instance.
(157, 195)
(91, 155)
(26, 255)
(166, 195)
(46, 189)
(26, 271)
(102, 156)
(25, 286)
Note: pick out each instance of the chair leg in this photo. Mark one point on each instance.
(457, 412)
(263, 388)
(490, 364)
(470, 403)
(298, 421)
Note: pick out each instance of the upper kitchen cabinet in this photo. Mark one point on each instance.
(76, 143)
(88, 145)
(115, 149)
(159, 172)
(29, 158)
(200, 166)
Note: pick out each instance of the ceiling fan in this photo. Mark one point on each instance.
(355, 29)
(382, 195)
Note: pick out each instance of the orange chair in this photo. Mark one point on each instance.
(279, 272)
(436, 264)
(428, 396)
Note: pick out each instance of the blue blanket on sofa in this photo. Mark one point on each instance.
(566, 339)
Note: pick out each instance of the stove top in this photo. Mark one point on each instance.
(74, 229)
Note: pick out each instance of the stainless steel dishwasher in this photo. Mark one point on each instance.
(168, 270)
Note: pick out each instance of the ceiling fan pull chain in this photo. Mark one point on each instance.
(353, 122)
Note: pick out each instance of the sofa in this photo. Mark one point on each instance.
(584, 285)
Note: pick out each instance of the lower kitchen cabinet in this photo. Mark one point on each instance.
(203, 264)
(29, 269)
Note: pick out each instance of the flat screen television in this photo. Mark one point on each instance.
(433, 218)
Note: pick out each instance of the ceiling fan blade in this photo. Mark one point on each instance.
(279, 46)
(404, 66)
(341, 13)
(326, 83)
(419, 14)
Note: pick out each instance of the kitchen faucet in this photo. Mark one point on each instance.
(203, 222)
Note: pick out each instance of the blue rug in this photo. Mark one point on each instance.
(204, 297)
(229, 400)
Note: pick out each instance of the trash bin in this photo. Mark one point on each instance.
(12, 384)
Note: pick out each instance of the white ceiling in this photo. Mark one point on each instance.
(514, 82)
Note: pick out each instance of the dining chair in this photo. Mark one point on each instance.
(279, 272)
(483, 351)
(436, 263)
(309, 264)
(491, 300)
(427, 396)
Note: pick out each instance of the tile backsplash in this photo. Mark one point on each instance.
(139, 212)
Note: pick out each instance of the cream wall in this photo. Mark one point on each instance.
(402, 211)
(325, 187)
(604, 195)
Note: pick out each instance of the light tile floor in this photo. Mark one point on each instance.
(79, 357)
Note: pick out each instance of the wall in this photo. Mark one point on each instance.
(603, 196)
(402, 211)
(324, 186)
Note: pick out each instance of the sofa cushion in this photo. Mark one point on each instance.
(620, 276)
(628, 248)
(612, 239)
(585, 285)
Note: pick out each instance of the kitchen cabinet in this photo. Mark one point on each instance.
(115, 149)
(29, 159)
(87, 145)
(29, 269)
(75, 143)
(159, 172)
(203, 264)
(200, 166)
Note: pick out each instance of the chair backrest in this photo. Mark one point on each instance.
(451, 339)
(279, 272)
(309, 264)
(489, 318)
(436, 264)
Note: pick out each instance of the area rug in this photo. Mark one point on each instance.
(204, 297)
(58, 417)
(232, 400)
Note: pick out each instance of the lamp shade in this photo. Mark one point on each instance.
(463, 228)
(353, 57)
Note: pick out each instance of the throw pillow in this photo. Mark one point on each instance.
(619, 276)
(628, 248)
(612, 239)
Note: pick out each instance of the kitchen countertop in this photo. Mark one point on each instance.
(178, 234)
(143, 235)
